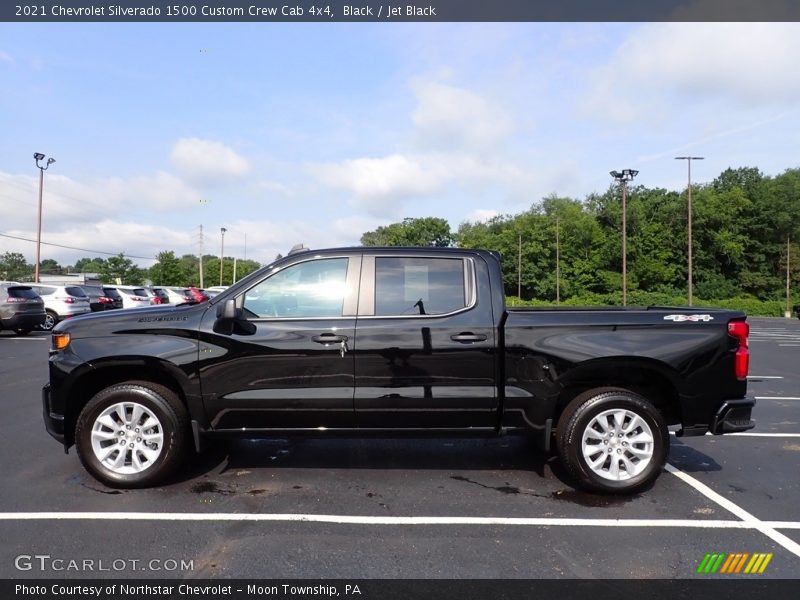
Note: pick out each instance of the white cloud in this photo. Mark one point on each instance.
(378, 182)
(739, 64)
(447, 116)
(482, 215)
(206, 162)
(6, 57)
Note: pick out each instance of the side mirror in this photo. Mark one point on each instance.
(228, 311)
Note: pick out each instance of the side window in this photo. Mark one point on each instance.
(419, 286)
(315, 288)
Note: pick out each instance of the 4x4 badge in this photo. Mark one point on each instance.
(693, 318)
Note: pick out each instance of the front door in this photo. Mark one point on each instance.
(288, 363)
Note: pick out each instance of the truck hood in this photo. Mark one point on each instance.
(111, 322)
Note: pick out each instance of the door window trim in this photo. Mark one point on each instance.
(350, 301)
(366, 303)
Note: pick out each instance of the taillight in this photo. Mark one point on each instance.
(15, 300)
(104, 300)
(69, 300)
(740, 330)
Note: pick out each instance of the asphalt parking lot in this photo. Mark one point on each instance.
(444, 508)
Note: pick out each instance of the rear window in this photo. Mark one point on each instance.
(75, 291)
(139, 292)
(92, 289)
(111, 293)
(22, 292)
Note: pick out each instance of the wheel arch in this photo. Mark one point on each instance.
(119, 370)
(651, 379)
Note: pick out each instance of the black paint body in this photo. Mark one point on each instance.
(506, 371)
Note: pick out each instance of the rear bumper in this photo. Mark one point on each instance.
(733, 416)
(24, 320)
(53, 421)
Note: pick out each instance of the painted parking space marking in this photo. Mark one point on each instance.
(386, 520)
(776, 536)
(765, 376)
(777, 397)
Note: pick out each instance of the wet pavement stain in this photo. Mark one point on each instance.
(109, 492)
(211, 487)
(256, 492)
(591, 500)
(503, 489)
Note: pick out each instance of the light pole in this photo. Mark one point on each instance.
(623, 177)
(222, 231)
(689, 160)
(37, 157)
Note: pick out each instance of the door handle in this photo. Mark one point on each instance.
(467, 337)
(329, 338)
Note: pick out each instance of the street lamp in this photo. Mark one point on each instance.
(222, 231)
(623, 177)
(37, 157)
(689, 160)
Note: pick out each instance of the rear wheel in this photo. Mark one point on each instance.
(50, 321)
(132, 434)
(612, 440)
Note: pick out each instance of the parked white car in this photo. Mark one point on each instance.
(61, 302)
(134, 296)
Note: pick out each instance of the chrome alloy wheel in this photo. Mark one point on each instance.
(617, 444)
(127, 438)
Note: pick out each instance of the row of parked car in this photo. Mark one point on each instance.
(28, 306)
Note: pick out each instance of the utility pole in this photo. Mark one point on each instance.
(623, 177)
(689, 160)
(519, 268)
(201, 257)
(788, 314)
(37, 157)
(558, 265)
(222, 231)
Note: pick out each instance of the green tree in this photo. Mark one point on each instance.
(167, 270)
(89, 265)
(123, 269)
(426, 231)
(14, 267)
(50, 267)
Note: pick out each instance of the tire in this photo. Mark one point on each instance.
(612, 440)
(50, 321)
(153, 424)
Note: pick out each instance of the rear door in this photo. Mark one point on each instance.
(425, 343)
(289, 363)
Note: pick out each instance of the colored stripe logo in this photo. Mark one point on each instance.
(734, 564)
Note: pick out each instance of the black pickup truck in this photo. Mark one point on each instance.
(393, 341)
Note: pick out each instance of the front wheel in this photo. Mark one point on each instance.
(612, 440)
(132, 435)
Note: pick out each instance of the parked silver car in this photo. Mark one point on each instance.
(61, 302)
(133, 296)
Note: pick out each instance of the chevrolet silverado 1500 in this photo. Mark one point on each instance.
(393, 341)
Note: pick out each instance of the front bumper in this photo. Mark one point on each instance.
(53, 421)
(733, 416)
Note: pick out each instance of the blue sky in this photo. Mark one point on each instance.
(315, 133)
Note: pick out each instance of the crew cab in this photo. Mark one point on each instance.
(393, 341)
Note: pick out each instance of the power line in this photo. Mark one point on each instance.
(14, 237)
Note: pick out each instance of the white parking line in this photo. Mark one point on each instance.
(776, 435)
(737, 510)
(777, 397)
(789, 345)
(765, 376)
(379, 520)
